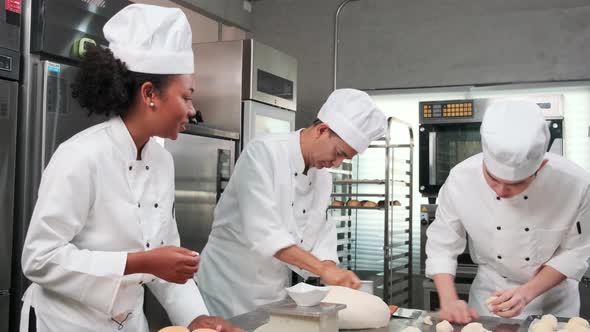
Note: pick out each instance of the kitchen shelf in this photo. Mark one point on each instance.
(392, 225)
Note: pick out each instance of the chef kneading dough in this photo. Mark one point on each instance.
(363, 310)
(444, 326)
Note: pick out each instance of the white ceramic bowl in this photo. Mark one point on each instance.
(307, 295)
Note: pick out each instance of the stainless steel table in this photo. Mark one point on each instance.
(252, 320)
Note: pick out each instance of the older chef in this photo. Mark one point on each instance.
(104, 225)
(272, 218)
(527, 215)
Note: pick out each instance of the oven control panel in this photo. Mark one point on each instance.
(451, 109)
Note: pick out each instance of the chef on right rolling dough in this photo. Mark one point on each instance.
(527, 215)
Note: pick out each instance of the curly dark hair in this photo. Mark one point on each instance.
(105, 85)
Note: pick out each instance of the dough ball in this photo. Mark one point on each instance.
(577, 321)
(444, 326)
(542, 326)
(363, 310)
(474, 327)
(174, 329)
(204, 330)
(411, 329)
(576, 328)
(550, 319)
(489, 302)
(428, 320)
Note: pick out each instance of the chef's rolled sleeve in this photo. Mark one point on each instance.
(446, 237)
(571, 258)
(259, 203)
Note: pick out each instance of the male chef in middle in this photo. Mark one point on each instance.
(272, 218)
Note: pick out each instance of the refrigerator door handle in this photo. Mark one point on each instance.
(223, 171)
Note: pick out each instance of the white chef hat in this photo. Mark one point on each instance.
(151, 39)
(514, 137)
(353, 116)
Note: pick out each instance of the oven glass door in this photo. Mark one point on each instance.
(442, 147)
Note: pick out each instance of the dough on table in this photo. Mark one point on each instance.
(474, 327)
(174, 329)
(428, 320)
(411, 329)
(542, 326)
(577, 322)
(550, 319)
(576, 328)
(204, 330)
(444, 326)
(363, 310)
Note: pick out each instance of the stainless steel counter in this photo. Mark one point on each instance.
(251, 321)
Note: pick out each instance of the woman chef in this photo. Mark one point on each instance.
(104, 225)
(527, 215)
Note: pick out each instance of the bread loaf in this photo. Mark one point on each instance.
(353, 202)
(337, 203)
(368, 204)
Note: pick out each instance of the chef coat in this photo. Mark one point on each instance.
(268, 205)
(511, 239)
(97, 203)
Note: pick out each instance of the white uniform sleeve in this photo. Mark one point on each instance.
(446, 237)
(259, 206)
(571, 258)
(183, 303)
(66, 195)
(325, 249)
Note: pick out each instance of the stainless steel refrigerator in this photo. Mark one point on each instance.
(203, 162)
(10, 29)
(8, 112)
(48, 115)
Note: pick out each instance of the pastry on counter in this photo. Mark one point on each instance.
(337, 203)
(368, 204)
(353, 202)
